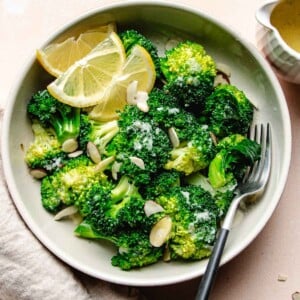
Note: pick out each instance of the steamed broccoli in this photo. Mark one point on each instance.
(109, 208)
(100, 133)
(141, 147)
(194, 154)
(235, 154)
(228, 111)
(166, 112)
(65, 185)
(64, 119)
(161, 183)
(131, 37)
(190, 73)
(134, 248)
(115, 212)
(194, 217)
(45, 151)
(222, 196)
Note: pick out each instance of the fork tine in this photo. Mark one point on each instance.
(266, 168)
(261, 169)
(252, 135)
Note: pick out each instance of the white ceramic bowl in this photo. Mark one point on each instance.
(284, 59)
(250, 72)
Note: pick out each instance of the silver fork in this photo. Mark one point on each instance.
(253, 183)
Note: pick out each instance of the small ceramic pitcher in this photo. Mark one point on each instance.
(284, 59)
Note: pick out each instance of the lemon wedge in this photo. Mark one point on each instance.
(56, 58)
(138, 67)
(85, 83)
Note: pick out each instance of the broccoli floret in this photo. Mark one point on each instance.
(116, 213)
(134, 248)
(194, 221)
(100, 133)
(141, 146)
(45, 151)
(135, 251)
(193, 155)
(131, 37)
(64, 119)
(190, 73)
(228, 111)
(65, 185)
(223, 196)
(166, 112)
(109, 207)
(161, 183)
(235, 154)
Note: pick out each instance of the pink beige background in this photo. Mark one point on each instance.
(255, 273)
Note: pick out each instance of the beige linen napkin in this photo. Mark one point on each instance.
(28, 271)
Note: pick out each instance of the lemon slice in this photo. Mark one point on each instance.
(86, 82)
(56, 58)
(138, 67)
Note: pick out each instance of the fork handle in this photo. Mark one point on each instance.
(210, 274)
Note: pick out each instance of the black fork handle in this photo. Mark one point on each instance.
(210, 274)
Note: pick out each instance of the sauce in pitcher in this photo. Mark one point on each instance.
(286, 18)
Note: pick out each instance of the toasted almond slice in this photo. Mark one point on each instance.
(115, 169)
(70, 145)
(103, 164)
(75, 154)
(173, 137)
(151, 207)
(68, 211)
(93, 152)
(160, 231)
(141, 101)
(38, 173)
(131, 92)
(137, 161)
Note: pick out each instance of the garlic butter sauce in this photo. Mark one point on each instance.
(285, 17)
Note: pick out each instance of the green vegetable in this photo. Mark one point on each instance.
(139, 139)
(65, 185)
(194, 217)
(45, 151)
(100, 133)
(64, 119)
(190, 73)
(134, 248)
(193, 154)
(228, 111)
(235, 154)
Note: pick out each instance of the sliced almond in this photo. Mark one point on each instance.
(75, 154)
(38, 173)
(138, 162)
(131, 92)
(160, 232)
(151, 207)
(93, 152)
(103, 164)
(115, 169)
(70, 145)
(141, 101)
(66, 212)
(173, 137)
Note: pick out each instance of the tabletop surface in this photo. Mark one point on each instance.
(269, 268)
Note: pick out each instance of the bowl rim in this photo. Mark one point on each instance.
(46, 241)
